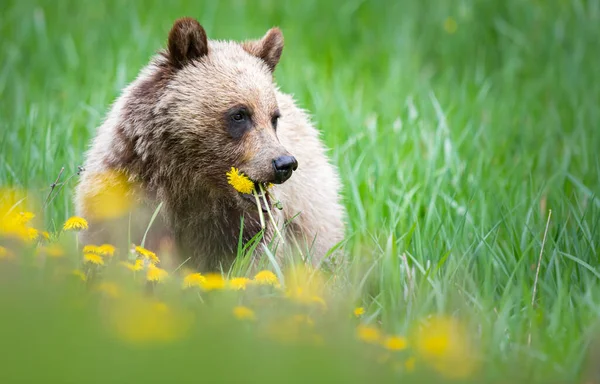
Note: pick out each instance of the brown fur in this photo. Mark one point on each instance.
(170, 134)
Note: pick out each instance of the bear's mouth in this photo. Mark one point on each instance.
(264, 197)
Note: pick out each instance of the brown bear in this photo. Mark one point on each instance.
(199, 108)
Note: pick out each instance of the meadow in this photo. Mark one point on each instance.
(466, 133)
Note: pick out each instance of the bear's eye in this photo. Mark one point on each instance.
(274, 120)
(239, 116)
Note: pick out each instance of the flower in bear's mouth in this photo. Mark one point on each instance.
(263, 198)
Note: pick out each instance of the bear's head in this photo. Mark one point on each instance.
(215, 108)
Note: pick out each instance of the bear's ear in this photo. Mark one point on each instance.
(268, 48)
(187, 41)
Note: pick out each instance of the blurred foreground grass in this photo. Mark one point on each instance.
(457, 126)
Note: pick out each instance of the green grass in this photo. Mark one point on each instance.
(453, 147)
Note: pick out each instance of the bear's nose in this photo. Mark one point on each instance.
(284, 166)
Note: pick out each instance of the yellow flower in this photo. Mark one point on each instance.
(6, 254)
(239, 283)
(266, 278)
(75, 223)
(395, 343)
(213, 281)
(193, 280)
(53, 250)
(45, 235)
(80, 274)
(409, 364)
(112, 195)
(139, 320)
(31, 234)
(156, 274)
(93, 259)
(450, 25)
(90, 248)
(239, 181)
(444, 344)
(137, 266)
(359, 311)
(106, 250)
(244, 313)
(147, 254)
(25, 217)
(368, 334)
(109, 288)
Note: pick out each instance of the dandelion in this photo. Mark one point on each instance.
(25, 217)
(239, 181)
(109, 288)
(239, 283)
(80, 274)
(106, 250)
(193, 280)
(213, 282)
(112, 197)
(90, 248)
(368, 334)
(443, 344)
(266, 277)
(54, 251)
(450, 25)
(75, 224)
(139, 320)
(93, 259)
(156, 274)
(409, 364)
(147, 254)
(138, 265)
(359, 311)
(244, 313)
(6, 254)
(395, 343)
(31, 234)
(45, 235)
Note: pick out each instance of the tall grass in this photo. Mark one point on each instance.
(457, 127)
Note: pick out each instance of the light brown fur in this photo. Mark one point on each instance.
(169, 134)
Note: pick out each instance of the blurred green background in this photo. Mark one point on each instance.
(457, 127)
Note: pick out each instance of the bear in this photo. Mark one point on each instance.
(198, 109)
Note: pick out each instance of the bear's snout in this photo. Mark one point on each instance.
(284, 166)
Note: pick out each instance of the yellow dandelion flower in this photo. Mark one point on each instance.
(266, 278)
(90, 248)
(368, 334)
(193, 280)
(25, 217)
(138, 265)
(45, 235)
(93, 259)
(395, 343)
(213, 282)
(147, 254)
(54, 251)
(359, 311)
(106, 250)
(244, 313)
(409, 364)
(80, 274)
(444, 344)
(31, 234)
(450, 25)
(109, 288)
(156, 274)
(6, 254)
(75, 223)
(239, 181)
(112, 195)
(239, 283)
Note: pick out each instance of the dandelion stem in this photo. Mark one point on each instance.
(270, 215)
(260, 213)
